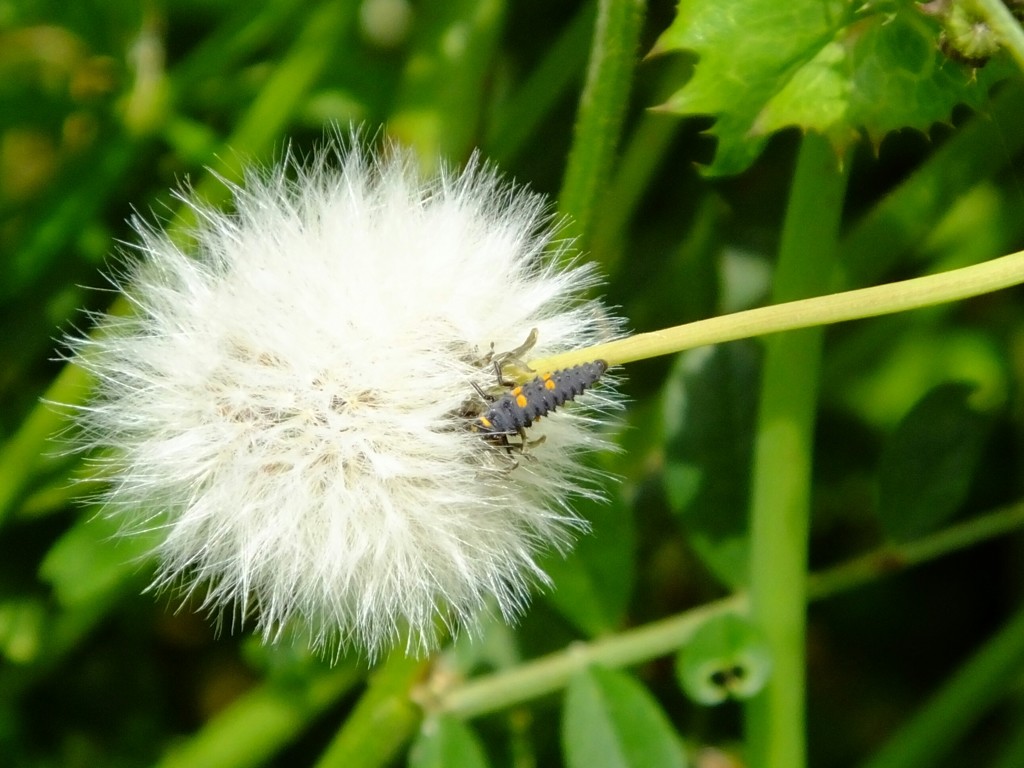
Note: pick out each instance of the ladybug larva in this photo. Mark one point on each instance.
(521, 406)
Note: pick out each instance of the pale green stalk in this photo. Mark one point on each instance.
(783, 449)
(549, 674)
(890, 298)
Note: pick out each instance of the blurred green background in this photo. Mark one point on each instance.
(106, 107)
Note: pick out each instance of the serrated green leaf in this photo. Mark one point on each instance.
(929, 462)
(837, 68)
(710, 401)
(592, 588)
(611, 721)
(727, 657)
(444, 742)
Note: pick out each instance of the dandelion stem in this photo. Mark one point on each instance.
(890, 298)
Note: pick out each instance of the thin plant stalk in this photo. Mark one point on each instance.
(601, 112)
(783, 447)
(548, 674)
(916, 293)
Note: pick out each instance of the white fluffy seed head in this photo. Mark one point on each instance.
(290, 402)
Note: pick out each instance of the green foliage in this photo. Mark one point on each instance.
(88, 561)
(727, 657)
(611, 721)
(105, 106)
(837, 68)
(929, 462)
(595, 583)
(709, 418)
(444, 742)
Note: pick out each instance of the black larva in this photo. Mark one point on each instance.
(518, 408)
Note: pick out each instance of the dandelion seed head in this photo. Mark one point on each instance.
(287, 401)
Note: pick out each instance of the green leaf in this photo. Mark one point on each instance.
(593, 586)
(611, 721)
(90, 561)
(710, 400)
(727, 657)
(444, 742)
(22, 628)
(837, 68)
(929, 462)
(883, 368)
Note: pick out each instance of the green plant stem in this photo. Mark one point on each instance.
(891, 557)
(270, 112)
(1003, 24)
(261, 721)
(546, 675)
(384, 719)
(641, 158)
(958, 705)
(518, 118)
(551, 673)
(783, 447)
(890, 298)
(601, 112)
